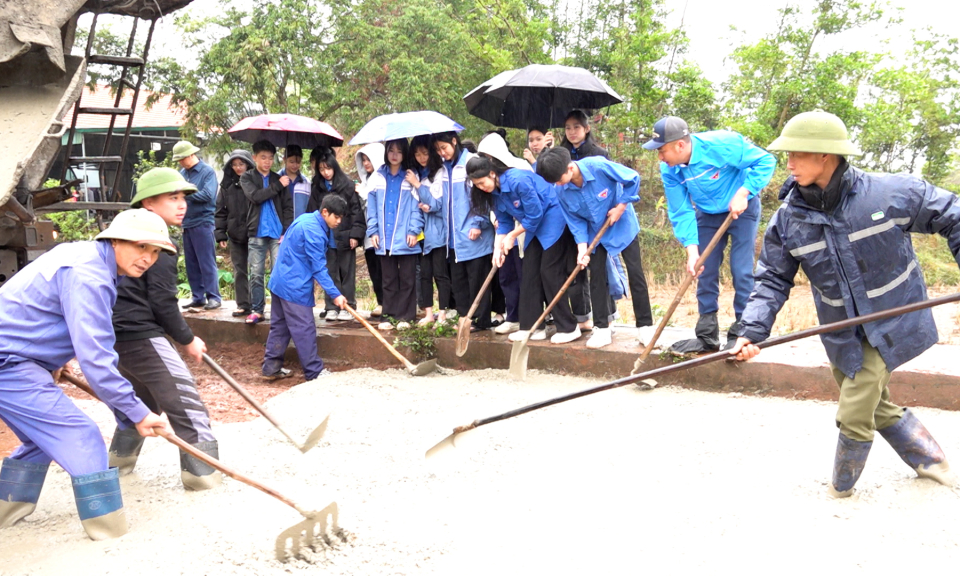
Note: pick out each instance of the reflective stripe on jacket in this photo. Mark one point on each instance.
(409, 218)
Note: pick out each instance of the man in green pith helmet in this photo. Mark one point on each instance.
(144, 316)
(200, 255)
(850, 232)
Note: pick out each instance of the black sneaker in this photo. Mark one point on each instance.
(195, 304)
(211, 305)
(278, 375)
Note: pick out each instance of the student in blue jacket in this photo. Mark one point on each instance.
(57, 308)
(705, 177)
(592, 191)
(301, 260)
(394, 221)
(469, 233)
(518, 195)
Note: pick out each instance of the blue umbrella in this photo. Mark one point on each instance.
(404, 125)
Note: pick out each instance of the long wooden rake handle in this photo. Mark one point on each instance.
(722, 355)
(410, 366)
(240, 390)
(682, 290)
(563, 289)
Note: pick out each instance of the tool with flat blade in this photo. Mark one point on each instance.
(451, 440)
(312, 440)
(465, 322)
(520, 352)
(420, 369)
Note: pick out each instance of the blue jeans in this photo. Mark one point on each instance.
(742, 235)
(256, 258)
(200, 257)
(290, 320)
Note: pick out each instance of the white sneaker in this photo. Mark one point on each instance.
(403, 325)
(384, 326)
(601, 337)
(519, 335)
(377, 311)
(344, 315)
(332, 315)
(507, 328)
(539, 334)
(564, 337)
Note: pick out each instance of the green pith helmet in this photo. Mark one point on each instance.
(158, 181)
(183, 149)
(819, 132)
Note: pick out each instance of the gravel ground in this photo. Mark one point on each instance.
(621, 482)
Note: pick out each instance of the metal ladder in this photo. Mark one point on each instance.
(127, 64)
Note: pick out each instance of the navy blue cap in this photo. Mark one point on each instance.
(666, 130)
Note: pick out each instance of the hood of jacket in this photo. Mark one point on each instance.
(375, 153)
(229, 176)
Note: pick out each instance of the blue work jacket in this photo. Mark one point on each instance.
(408, 218)
(203, 203)
(458, 212)
(527, 198)
(302, 258)
(859, 260)
(435, 194)
(605, 184)
(720, 164)
(60, 307)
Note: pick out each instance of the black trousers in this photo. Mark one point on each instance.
(509, 277)
(399, 286)
(241, 283)
(638, 284)
(434, 268)
(544, 272)
(467, 278)
(163, 382)
(579, 293)
(376, 275)
(342, 265)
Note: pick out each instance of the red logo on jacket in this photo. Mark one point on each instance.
(716, 176)
(603, 194)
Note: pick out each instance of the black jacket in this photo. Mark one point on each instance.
(147, 306)
(353, 224)
(252, 184)
(230, 219)
(586, 149)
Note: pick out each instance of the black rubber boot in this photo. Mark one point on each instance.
(732, 334)
(707, 340)
(847, 465)
(196, 475)
(916, 447)
(20, 485)
(125, 449)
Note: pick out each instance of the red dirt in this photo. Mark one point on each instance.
(242, 361)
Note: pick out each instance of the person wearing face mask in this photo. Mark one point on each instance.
(57, 308)
(230, 224)
(849, 231)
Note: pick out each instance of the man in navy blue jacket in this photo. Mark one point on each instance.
(199, 247)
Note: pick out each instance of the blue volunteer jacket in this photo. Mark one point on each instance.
(605, 184)
(859, 260)
(459, 215)
(720, 164)
(434, 193)
(203, 203)
(302, 258)
(61, 307)
(408, 220)
(527, 198)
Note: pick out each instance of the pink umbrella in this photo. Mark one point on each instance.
(286, 129)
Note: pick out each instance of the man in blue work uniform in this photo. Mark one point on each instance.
(199, 246)
(705, 177)
(850, 232)
(57, 308)
(591, 191)
(301, 260)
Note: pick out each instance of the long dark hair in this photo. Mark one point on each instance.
(449, 137)
(404, 150)
(328, 157)
(581, 117)
(434, 161)
(481, 203)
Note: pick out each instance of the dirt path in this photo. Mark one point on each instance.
(621, 482)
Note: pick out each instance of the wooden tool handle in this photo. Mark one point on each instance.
(570, 279)
(375, 332)
(242, 391)
(483, 290)
(79, 384)
(687, 281)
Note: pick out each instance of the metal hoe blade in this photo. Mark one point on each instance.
(317, 531)
(314, 438)
(518, 360)
(424, 368)
(463, 335)
(449, 443)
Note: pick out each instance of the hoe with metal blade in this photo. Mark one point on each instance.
(520, 352)
(318, 526)
(458, 432)
(680, 292)
(420, 369)
(312, 440)
(465, 322)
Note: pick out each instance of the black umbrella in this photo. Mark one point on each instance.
(538, 95)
